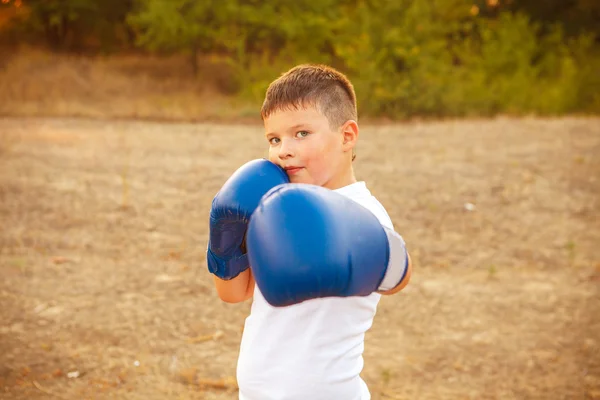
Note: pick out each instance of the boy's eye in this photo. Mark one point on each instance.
(302, 134)
(274, 140)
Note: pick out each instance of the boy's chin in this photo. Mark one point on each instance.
(297, 179)
(301, 179)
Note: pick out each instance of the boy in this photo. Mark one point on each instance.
(321, 249)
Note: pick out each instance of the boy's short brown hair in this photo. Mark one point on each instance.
(317, 85)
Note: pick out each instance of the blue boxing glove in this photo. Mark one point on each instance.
(231, 209)
(307, 242)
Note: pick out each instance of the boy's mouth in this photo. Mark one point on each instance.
(292, 170)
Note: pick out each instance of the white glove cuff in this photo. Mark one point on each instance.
(397, 263)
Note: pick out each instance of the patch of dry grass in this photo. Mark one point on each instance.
(40, 83)
(8, 141)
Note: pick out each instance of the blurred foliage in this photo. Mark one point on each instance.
(68, 25)
(406, 57)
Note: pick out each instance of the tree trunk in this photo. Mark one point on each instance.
(194, 59)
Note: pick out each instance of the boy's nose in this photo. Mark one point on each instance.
(285, 150)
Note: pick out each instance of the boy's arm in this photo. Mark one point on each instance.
(399, 265)
(235, 290)
(402, 284)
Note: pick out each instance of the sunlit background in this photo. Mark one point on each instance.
(479, 134)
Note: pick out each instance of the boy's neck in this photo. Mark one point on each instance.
(345, 179)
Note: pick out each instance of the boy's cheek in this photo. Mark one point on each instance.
(273, 157)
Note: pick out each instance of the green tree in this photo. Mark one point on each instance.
(60, 21)
(176, 25)
(400, 52)
(248, 33)
(71, 25)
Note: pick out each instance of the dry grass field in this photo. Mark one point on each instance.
(105, 292)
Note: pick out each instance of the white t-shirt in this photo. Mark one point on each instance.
(311, 350)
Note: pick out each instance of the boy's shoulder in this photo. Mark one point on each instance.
(360, 193)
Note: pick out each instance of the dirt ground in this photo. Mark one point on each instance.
(105, 291)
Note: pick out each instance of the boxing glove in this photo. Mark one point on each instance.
(231, 209)
(307, 242)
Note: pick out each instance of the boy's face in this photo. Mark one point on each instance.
(302, 142)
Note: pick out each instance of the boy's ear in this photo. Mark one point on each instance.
(349, 135)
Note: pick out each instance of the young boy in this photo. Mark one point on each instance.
(318, 252)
